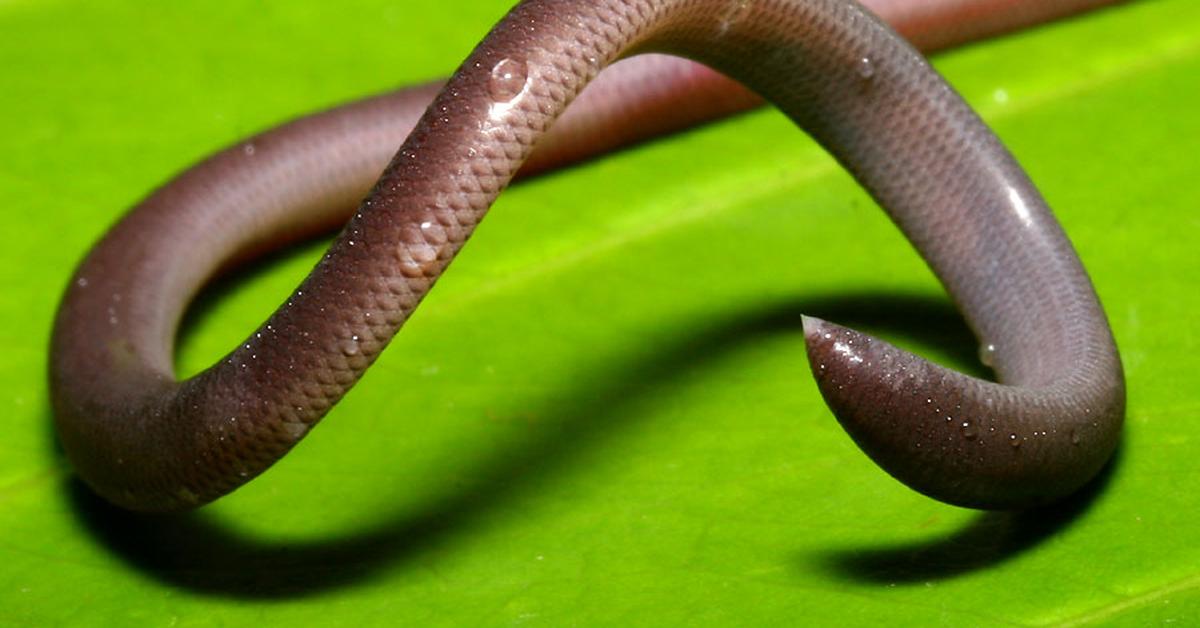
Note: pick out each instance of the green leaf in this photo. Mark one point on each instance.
(602, 415)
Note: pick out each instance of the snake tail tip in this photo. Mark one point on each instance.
(897, 409)
(950, 436)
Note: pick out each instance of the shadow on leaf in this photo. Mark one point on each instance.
(990, 539)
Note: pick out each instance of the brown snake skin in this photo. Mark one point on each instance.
(147, 442)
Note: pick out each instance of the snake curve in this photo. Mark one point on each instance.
(147, 442)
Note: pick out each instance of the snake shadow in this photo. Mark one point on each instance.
(199, 553)
(990, 539)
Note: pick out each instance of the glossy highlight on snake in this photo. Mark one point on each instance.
(146, 441)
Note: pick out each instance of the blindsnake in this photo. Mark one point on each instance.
(148, 442)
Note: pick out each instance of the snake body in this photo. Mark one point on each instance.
(146, 441)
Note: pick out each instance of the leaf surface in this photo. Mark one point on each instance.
(602, 414)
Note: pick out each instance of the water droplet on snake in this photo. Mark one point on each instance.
(508, 80)
(987, 354)
(866, 68)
